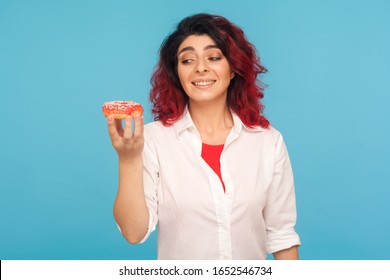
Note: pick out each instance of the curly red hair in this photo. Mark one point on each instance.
(245, 90)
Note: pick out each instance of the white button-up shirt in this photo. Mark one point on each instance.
(196, 219)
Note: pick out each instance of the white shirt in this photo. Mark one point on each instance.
(195, 217)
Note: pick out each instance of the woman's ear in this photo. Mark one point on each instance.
(232, 75)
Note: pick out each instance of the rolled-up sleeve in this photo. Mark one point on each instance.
(280, 211)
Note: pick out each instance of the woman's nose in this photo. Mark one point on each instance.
(201, 66)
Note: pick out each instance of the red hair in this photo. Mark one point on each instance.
(245, 90)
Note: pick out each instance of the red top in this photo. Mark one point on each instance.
(212, 154)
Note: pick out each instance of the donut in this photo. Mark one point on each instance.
(122, 109)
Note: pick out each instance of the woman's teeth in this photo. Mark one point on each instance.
(203, 83)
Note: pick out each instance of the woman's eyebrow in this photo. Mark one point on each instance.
(211, 47)
(193, 49)
(185, 49)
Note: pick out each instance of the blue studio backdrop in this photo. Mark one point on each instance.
(328, 93)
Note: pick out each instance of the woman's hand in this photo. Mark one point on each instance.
(128, 144)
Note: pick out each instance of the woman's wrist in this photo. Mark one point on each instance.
(130, 160)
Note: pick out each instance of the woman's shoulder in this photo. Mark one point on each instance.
(157, 129)
(273, 133)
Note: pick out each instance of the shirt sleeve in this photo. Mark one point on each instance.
(280, 210)
(151, 181)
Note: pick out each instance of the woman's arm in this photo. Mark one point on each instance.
(130, 209)
(287, 254)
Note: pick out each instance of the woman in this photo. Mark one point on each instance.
(210, 171)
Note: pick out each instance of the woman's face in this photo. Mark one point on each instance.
(203, 70)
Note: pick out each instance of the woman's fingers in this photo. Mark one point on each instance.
(112, 128)
(127, 134)
(126, 139)
(138, 126)
(115, 135)
(119, 128)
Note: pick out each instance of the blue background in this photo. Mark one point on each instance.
(328, 93)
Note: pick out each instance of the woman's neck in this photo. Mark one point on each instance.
(213, 121)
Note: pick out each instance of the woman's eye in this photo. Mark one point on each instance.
(215, 58)
(186, 61)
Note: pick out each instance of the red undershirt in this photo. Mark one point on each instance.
(211, 155)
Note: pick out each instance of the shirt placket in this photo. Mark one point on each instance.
(224, 230)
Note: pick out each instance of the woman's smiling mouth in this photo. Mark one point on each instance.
(203, 83)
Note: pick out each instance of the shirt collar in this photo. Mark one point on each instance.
(238, 123)
(185, 122)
